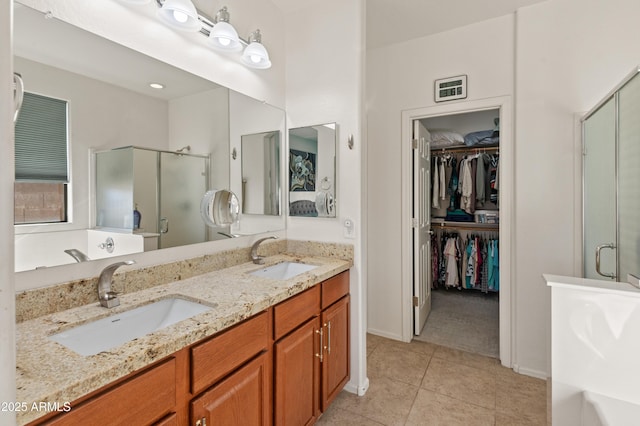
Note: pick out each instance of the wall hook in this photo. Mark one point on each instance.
(234, 154)
(350, 142)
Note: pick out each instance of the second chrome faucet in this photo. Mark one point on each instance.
(255, 257)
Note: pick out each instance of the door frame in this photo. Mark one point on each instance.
(507, 202)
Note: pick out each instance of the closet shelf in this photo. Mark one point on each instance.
(465, 149)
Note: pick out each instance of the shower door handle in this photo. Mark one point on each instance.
(164, 225)
(598, 250)
(18, 95)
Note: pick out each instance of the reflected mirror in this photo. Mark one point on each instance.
(113, 108)
(261, 173)
(312, 171)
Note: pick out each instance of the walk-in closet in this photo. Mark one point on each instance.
(464, 267)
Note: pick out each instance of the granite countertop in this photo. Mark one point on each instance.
(49, 372)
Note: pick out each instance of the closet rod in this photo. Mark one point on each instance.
(490, 228)
(465, 149)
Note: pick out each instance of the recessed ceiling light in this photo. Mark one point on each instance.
(157, 85)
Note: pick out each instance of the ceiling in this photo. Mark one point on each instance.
(395, 21)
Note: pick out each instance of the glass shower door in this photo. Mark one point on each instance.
(599, 192)
(183, 182)
(629, 179)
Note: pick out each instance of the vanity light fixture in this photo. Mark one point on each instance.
(223, 36)
(180, 14)
(255, 55)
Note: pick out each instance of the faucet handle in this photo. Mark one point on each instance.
(111, 299)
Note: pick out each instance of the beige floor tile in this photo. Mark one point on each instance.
(521, 396)
(468, 384)
(386, 401)
(434, 409)
(338, 417)
(467, 358)
(372, 342)
(505, 420)
(398, 364)
(414, 346)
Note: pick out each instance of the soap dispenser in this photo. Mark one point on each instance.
(137, 217)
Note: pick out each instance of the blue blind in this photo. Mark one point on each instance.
(41, 140)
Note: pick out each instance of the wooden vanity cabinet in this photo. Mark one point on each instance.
(234, 371)
(145, 398)
(240, 399)
(311, 361)
(283, 366)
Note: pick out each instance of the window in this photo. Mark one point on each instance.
(41, 145)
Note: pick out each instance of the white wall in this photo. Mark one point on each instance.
(324, 50)
(570, 54)
(7, 290)
(401, 77)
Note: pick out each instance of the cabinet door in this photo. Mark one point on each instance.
(242, 399)
(335, 363)
(297, 376)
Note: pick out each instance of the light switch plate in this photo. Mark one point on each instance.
(349, 229)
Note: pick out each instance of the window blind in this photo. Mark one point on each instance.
(41, 140)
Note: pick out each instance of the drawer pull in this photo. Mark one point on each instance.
(321, 333)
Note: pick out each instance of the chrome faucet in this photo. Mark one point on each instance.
(107, 297)
(77, 255)
(259, 260)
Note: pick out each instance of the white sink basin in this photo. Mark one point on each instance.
(115, 330)
(283, 270)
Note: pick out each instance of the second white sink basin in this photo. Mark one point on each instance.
(112, 331)
(283, 270)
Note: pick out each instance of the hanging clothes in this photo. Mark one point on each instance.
(451, 252)
(435, 197)
(443, 180)
(465, 186)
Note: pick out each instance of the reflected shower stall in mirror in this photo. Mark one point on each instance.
(260, 155)
(312, 171)
(155, 194)
(111, 105)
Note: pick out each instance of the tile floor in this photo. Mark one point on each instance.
(467, 320)
(425, 384)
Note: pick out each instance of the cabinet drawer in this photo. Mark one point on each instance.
(142, 400)
(225, 352)
(335, 288)
(293, 312)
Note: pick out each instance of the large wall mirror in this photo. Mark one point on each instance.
(312, 170)
(191, 124)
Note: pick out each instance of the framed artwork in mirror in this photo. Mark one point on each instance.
(302, 170)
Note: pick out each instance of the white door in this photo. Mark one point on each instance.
(421, 226)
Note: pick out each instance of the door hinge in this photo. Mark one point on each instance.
(414, 143)
(416, 301)
(414, 222)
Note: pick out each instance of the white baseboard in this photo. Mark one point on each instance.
(530, 372)
(384, 334)
(357, 390)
